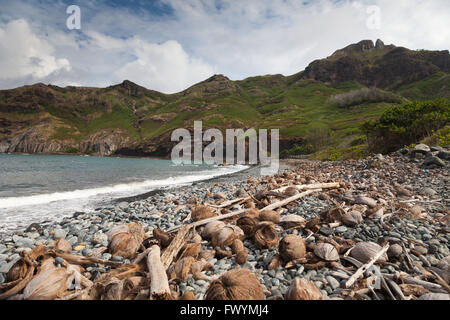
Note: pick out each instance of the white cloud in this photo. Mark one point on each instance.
(164, 67)
(25, 54)
(232, 37)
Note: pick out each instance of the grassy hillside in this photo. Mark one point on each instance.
(299, 106)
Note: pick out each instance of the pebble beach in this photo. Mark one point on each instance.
(402, 199)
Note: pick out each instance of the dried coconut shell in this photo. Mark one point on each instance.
(125, 245)
(333, 215)
(239, 284)
(292, 221)
(352, 218)
(270, 215)
(164, 239)
(326, 252)
(248, 225)
(292, 247)
(181, 269)
(303, 289)
(225, 236)
(265, 235)
(201, 213)
(394, 251)
(366, 200)
(63, 245)
(365, 251)
(212, 228)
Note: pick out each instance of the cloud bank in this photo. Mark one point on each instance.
(173, 44)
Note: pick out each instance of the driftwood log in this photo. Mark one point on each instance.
(159, 286)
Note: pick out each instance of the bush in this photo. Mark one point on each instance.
(297, 150)
(71, 150)
(360, 96)
(406, 124)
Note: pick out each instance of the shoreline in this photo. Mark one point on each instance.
(391, 199)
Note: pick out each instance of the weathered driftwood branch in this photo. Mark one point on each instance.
(235, 213)
(410, 280)
(159, 286)
(300, 187)
(175, 246)
(366, 266)
(395, 287)
(229, 203)
(76, 259)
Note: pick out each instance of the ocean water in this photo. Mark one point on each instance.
(36, 188)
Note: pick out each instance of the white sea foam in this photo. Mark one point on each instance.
(124, 189)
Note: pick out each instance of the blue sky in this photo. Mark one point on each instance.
(168, 45)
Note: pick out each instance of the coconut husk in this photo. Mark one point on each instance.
(366, 201)
(202, 212)
(270, 215)
(365, 251)
(126, 244)
(326, 252)
(212, 228)
(290, 191)
(188, 296)
(413, 289)
(63, 245)
(196, 238)
(123, 228)
(352, 218)
(241, 252)
(292, 247)
(265, 235)
(164, 239)
(303, 289)
(248, 225)
(181, 269)
(222, 253)
(292, 221)
(275, 263)
(252, 213)
(240, 284)
(190, 250)
(113, 290)
(20, 268)
(225, 236)
(333, 215)
(249, 205)
(395, 251)
(47, 285)
(207, 254)
(313, 224)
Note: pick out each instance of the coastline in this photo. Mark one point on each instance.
(363, 186)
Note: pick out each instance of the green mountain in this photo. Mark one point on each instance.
(322, 106)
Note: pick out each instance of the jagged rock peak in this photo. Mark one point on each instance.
(379, 44)
(217, 77)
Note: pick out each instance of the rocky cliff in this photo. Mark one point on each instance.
(129, 119)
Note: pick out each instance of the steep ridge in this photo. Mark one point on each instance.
(129, 119)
